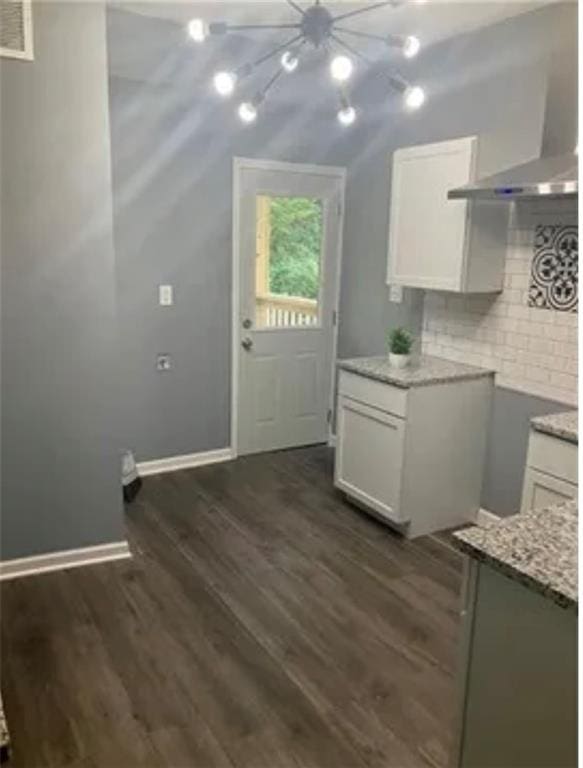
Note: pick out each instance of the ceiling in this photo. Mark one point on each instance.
(432, 21)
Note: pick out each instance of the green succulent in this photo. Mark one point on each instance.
(400, 341)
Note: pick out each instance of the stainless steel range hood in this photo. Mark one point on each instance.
(544, 177)
(554, 173)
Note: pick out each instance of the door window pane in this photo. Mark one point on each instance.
(288, 261)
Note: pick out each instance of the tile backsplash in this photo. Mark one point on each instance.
(531, 344)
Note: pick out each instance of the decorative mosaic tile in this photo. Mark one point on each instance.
(555, 268)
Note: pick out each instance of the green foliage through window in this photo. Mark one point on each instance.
(296, 236)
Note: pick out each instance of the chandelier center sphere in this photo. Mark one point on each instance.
(317, 23)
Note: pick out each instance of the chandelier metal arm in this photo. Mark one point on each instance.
(364, 35)
(358, 11)
(277, 50)
(274, 78)
(241, 27)
(295, 6)
(350, 49)
(396, 80)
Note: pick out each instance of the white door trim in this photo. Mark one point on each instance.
(240, 164)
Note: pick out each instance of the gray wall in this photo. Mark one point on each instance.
(60, 458)
(172, 150)
(507, 447)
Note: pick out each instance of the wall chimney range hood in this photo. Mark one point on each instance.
(553, 177)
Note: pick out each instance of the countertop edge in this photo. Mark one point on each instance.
(396, 382)
(561, 434)
(546, 590)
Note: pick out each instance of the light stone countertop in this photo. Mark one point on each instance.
(537, 548)
(423, 371)
(563, 425)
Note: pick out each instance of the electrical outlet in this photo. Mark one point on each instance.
(396, 293)
(163, 363)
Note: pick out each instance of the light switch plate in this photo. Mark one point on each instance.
(396, 294)
(165, 295)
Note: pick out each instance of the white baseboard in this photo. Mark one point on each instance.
(484, 517)
(187, 461)
(69, 558)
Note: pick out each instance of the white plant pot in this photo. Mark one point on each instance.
(399, 361)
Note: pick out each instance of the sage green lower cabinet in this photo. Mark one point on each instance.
(517, 676)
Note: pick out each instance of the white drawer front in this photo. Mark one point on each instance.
(375, 393)
(542, 490)
(552, 455)
(369, 457)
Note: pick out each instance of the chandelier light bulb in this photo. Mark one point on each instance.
(247, 112)
(197, 30)
(341, 68)
(289, 61)
(411, 46)
(346, 115)
(224, 83)
(414, 97)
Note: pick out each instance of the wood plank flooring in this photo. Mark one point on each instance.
(262, 623)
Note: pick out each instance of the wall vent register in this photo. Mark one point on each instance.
(16, 29)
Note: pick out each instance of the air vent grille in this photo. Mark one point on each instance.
(16, 29)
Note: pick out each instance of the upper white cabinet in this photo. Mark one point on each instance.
(441, 244)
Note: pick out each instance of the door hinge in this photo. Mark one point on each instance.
(329, 416)
(334, 317)
(339, 208)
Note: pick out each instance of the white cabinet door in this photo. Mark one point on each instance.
(428, 233)
(542, 490)
(369, 456)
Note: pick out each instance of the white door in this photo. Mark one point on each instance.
(287, 230)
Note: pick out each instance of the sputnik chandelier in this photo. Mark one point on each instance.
(315, 29)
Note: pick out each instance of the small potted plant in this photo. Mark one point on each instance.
(400, 343)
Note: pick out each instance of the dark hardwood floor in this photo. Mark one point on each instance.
(262, 622)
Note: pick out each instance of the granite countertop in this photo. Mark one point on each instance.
(563, 425)
(422, 371)
(537, 548)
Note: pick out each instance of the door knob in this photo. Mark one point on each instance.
(247, 343)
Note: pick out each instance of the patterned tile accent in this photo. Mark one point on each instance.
(554, 271)
(532, 350)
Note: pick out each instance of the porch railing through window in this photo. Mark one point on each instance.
(273, 311)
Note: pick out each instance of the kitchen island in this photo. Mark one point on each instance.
(518, 664)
